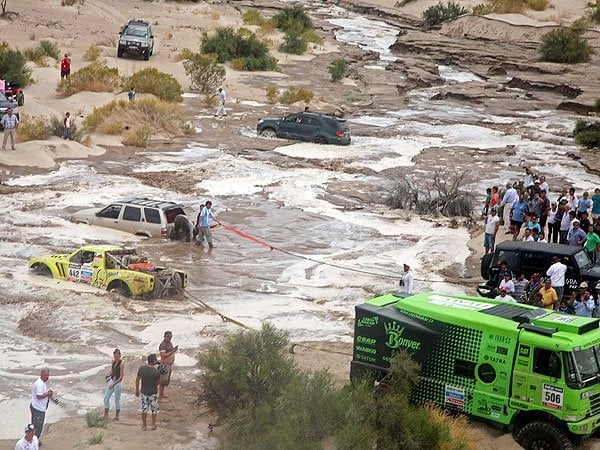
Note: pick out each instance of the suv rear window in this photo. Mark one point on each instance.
(152, 215)
(171, 213)
(336, 124)
(132, 213)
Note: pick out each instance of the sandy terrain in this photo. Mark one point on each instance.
(428, 104)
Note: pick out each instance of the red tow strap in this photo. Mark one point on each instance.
(244, 235)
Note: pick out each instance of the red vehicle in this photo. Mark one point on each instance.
(14, 93)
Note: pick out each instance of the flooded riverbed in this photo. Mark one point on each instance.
(308, 199)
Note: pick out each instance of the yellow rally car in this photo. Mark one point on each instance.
(116, 269)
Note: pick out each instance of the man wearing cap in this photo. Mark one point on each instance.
(492, 224)
(167, 358)
(40, 396)
(507, 284)
(148, 375)
(510, 197)
(406, 282)
(576, 236)
(29, 441)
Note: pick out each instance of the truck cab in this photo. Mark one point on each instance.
(530, 370)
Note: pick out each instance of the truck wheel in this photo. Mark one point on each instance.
(117, 287)
(320, 140)
(119, 53)
(43, 270)
(485, 265)
(543, 435)
(20, 99)
(268, 133)
(146, 55)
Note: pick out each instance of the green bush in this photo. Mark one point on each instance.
(293, 17)
(294, 42)
(436, 14)
(228, 45)
(595, 14)
(248, 369)
(308, 410)
(337, 69)
(50, 49)
(564, 45)
(95, 420)
(13, 65)
(253, 17)
(587, 134)
(96, 77)
(137, 137)
(204, 72)
(152, 81)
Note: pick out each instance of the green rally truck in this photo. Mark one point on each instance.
(532, 370)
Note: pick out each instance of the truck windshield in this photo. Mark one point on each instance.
(583, 260)
(587, 364)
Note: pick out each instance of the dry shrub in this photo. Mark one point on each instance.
(96, 77)
(511, 6)
(184, 54)
(442, 195)
(293, 95)
(312, 36)
(137, 137)
(268, 27)
(113, 127)
(462, 435)
(272, 93)
(39, 53)
(33, 129)
(146, 113)
(92, 54)
(252, 16)
(538, 5)
(71, 2)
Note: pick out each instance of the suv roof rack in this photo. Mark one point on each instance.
(139, 22)
(143, 201)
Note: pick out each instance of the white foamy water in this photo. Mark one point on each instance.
(367, 34)
(451, 74)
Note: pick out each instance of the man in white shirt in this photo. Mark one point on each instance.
(40, 396)
(510, 197)
(507, 284)
(557, 272)
(221, 97)
(504, 297)
(528, 235)
(406, 282)
(29, 441)
(492, 223)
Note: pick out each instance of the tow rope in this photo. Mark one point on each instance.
(337, 266)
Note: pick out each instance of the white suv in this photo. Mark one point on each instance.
(140, 216)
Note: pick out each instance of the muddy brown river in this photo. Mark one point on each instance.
(323, 202)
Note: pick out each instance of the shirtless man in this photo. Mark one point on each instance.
(167, 357)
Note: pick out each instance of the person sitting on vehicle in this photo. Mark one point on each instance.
(504, 269)
(87, 257)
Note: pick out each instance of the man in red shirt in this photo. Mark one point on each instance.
(65, 66)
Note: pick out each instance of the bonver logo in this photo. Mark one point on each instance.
(395, 339)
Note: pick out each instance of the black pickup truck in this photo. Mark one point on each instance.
(532, 257)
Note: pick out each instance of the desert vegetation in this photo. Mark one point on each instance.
(337, 69)
(13, 65)
(39, 53)
(437, 14)
(244, 49)
(289, 95)
(565, 45)
(587, 133)
(251, 382)
(511, 6)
